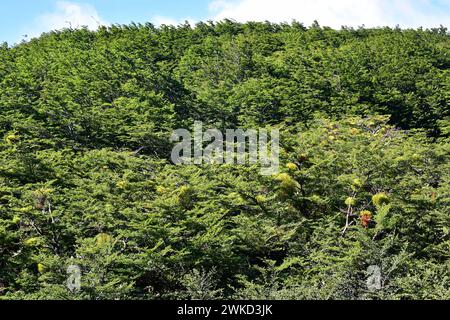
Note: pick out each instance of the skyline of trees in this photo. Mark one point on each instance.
(364, 122)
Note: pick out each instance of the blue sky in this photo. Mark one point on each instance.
(31, 17)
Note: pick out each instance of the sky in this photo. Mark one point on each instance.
(23, 19)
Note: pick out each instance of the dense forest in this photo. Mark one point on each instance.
(362, 196)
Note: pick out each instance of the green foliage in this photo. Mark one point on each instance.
(85, 122)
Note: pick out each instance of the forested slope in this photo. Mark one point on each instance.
(86, 177)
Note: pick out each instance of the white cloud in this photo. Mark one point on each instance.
(67, 15)
(336, 13)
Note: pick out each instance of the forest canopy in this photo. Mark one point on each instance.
(86, 177)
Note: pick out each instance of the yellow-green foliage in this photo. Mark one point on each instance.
(366, 213)
(12, 138)
(261, 199)
(292, 166)
(44, 192)
(287, 185)
(350, 201)
(33, 242)
(354, 131)
(161, 190)
(121, 184)
(103, 239)
(236, 199)
(357, 183)
(380, 199)
(41, 268)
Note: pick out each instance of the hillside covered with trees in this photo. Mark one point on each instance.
(86, 177)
